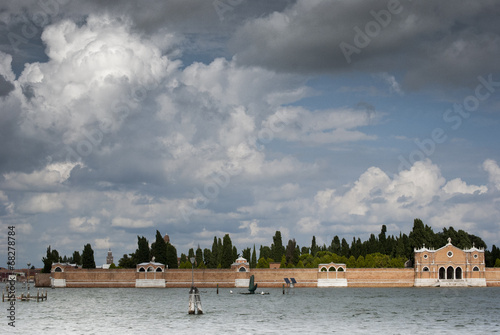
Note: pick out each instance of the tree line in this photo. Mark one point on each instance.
(378, 251)
(85, 260)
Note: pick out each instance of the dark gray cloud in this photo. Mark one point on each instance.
(430, 43)
(5, 86)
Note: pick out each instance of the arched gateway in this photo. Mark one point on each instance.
(449, 266)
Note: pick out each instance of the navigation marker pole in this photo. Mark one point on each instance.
(194, 294)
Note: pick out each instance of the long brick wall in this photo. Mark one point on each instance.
(492, 276)
(380, 277)
(227, 278)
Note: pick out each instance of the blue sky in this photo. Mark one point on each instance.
(199, 118)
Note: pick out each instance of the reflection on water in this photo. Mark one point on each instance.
(303, 311)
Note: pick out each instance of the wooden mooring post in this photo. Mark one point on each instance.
(194, 301)
(26, 297)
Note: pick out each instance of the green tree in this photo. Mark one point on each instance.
(142, 253)
(253, 262)
(88, 261)
(262, 263)
(277, 249)
(291, 253)
(399, 247)
(344, 248)
(227, 252)
(219, 254)
(382, 240)
(190, 254)
(497, 263)
(207, 256)
(283, 262)
(199, 256)
(314, 246)
(235, 254)
(77, 259)
(212, 264)
(335, 245)
(171, 257)
(264, 252)
(183, 258)
(126, 262)
(159, 249)
(246, 253)
(52, 256)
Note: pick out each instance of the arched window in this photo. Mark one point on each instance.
(475, 268)
(141, 269)
(458, 273)
(323, 269)
(242, 269)
(340, 269)
(58, 269)
(158, 269)
(332, 268)
(425, 269)
(450, 272)
(150, 269)
(442, 273)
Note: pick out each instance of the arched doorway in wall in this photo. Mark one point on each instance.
(450, 272)
(442, 273)
(458, 273)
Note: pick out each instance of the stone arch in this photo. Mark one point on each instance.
(141, 269)
(58, 269)
(475, 268)
(332, 268)
(450, 272)
(150, 269)
(425, 269)
(323, 269)
(242, 269)
(341, 269)
(159, 269)
(442, 273)
(458, 273)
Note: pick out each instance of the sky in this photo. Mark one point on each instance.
(199, 118)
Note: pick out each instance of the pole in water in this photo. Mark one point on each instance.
(194, 301)
(217, 288)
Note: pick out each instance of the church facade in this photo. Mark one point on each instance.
(449, 266)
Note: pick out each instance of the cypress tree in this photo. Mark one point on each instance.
(219, 252)
(314, 247)
(253, 262)
(227, 252)
(77, 259)
(88, 257)
(290, 252)
(246, 254)
(48, 260)
(171, 258)
(207, 257)
(142, 253)
(345, 248)
(159, 249)
(199, 256)
(336, 245)
(235, 254)
(215, 255)
(277, 248)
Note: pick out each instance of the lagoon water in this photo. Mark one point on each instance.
(302, 311)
